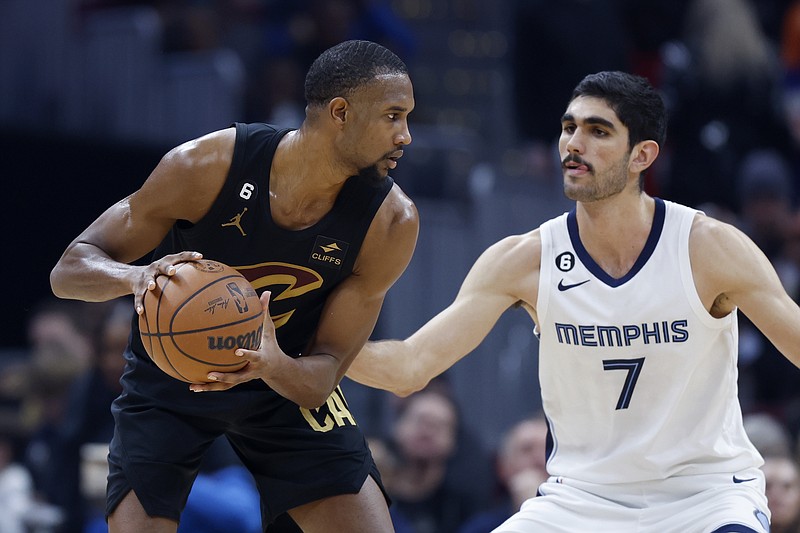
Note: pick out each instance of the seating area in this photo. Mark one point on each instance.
(105, 76)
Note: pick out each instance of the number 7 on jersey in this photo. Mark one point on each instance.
(634, 368)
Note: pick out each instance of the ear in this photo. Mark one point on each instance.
(338, 108)
(643, 155)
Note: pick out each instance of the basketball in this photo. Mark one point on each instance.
(194, 320)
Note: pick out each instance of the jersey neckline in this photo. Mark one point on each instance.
(647, 251)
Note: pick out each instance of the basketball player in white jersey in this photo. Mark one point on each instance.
(634, 300)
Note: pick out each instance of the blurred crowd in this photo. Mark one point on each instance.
(276, 40)
(730, 74)
(55, 427)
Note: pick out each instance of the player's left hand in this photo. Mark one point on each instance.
(258, 361)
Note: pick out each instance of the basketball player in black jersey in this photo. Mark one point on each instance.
(312, 219)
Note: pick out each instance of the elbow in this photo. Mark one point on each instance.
(56, 283)
(62, 275)
(408, 391)
(415, 383)
(310, 403)
(312, 399)
(404, 392)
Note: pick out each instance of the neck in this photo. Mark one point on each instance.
(304, 179)
(615, 230)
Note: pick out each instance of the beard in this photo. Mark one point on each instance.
(605, 185)
(371, 175)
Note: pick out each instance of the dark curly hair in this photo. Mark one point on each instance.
(346, 67)
(637, 103)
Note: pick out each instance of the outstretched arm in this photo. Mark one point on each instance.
(505, 274)
(731, 271)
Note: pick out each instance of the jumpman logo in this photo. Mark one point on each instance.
(236, 220)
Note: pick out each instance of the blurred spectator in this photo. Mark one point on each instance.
(425, 436)
(722, 86)
(61, 347)
(60, 337)
(93, 474)
(790, 59)
(783, 493)
(764, 189)
(521, 467)
(388, 464)
(791, 109)
(88, 419)
(790, 39)
(91, 395)
(16, 489)
(44, 452)
(768, 434)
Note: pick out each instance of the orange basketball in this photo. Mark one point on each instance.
(194, 320)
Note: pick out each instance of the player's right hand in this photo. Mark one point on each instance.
(146, 278)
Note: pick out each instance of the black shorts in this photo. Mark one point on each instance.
(296, 456)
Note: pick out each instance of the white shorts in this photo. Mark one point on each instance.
(713, 503)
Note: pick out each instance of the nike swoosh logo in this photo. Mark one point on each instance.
(563, 287)
(742, 480)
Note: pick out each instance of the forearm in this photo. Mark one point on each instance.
(84, 272)
(782, 328)
(308, 381)
(389, 365)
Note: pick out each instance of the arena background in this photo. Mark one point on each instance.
(93, 93)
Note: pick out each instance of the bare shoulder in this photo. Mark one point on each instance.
(713, 242)
(189, 177)
(210, 151)
(522, 251)
(396, 222)
(509, 267)
(390, 241)
(400, 208)
(724, 262)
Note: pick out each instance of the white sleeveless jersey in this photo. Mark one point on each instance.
(638, 380)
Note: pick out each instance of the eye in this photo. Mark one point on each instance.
(392, 116)
(600, 133)
(568, 128)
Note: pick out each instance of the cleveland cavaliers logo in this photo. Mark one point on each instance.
(285, 280)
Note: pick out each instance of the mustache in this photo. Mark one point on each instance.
(574, 158)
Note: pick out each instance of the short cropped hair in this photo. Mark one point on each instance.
(635, 101)
(348, 66)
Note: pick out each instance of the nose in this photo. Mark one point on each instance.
(404, 137)
(573, 143)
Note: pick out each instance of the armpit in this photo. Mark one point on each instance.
(721, 307)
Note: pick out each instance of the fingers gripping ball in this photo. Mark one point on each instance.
(194, 320)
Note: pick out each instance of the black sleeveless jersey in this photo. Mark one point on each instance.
(300, 268)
